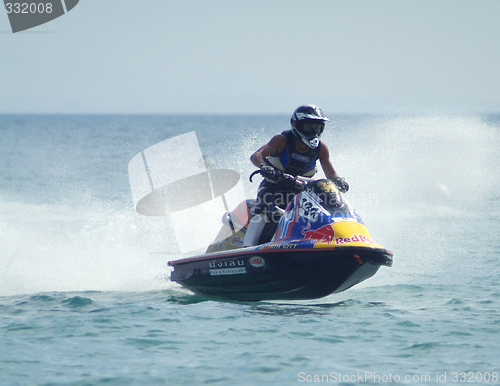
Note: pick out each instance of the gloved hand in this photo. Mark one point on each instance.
(341, 184)
(270, 173)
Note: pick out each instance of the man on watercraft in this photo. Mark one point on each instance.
(293, 152)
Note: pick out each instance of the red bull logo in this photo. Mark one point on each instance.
(325, 234)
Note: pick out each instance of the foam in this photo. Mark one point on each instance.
(63, 248)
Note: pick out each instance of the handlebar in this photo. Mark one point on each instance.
(298, 180)
(253, 174)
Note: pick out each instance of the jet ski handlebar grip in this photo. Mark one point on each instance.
(268, 172)
(287, 180)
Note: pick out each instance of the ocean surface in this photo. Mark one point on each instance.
(85, 296)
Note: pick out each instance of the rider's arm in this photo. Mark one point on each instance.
(326, 164)
(273, 148)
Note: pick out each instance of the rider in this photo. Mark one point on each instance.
(293, 152)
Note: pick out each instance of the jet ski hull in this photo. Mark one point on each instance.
(252, 274)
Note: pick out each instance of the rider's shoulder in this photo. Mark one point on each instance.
(323, 150)
(278, 141)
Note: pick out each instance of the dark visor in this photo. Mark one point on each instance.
(309, 128)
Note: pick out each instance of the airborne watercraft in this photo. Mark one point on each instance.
(319, 246)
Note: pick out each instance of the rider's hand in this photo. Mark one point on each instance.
(341, 184)
(270, 173)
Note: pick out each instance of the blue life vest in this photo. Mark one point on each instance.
(293, 161)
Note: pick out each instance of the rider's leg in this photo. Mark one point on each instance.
(265, 199)
(255, 227)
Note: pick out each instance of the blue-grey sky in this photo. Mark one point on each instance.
(258, 56)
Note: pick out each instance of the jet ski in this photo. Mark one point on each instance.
(319, 246)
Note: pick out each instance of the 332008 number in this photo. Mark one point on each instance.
(28, 8)
(472, 377)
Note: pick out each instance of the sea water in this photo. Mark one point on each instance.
(85, 296)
